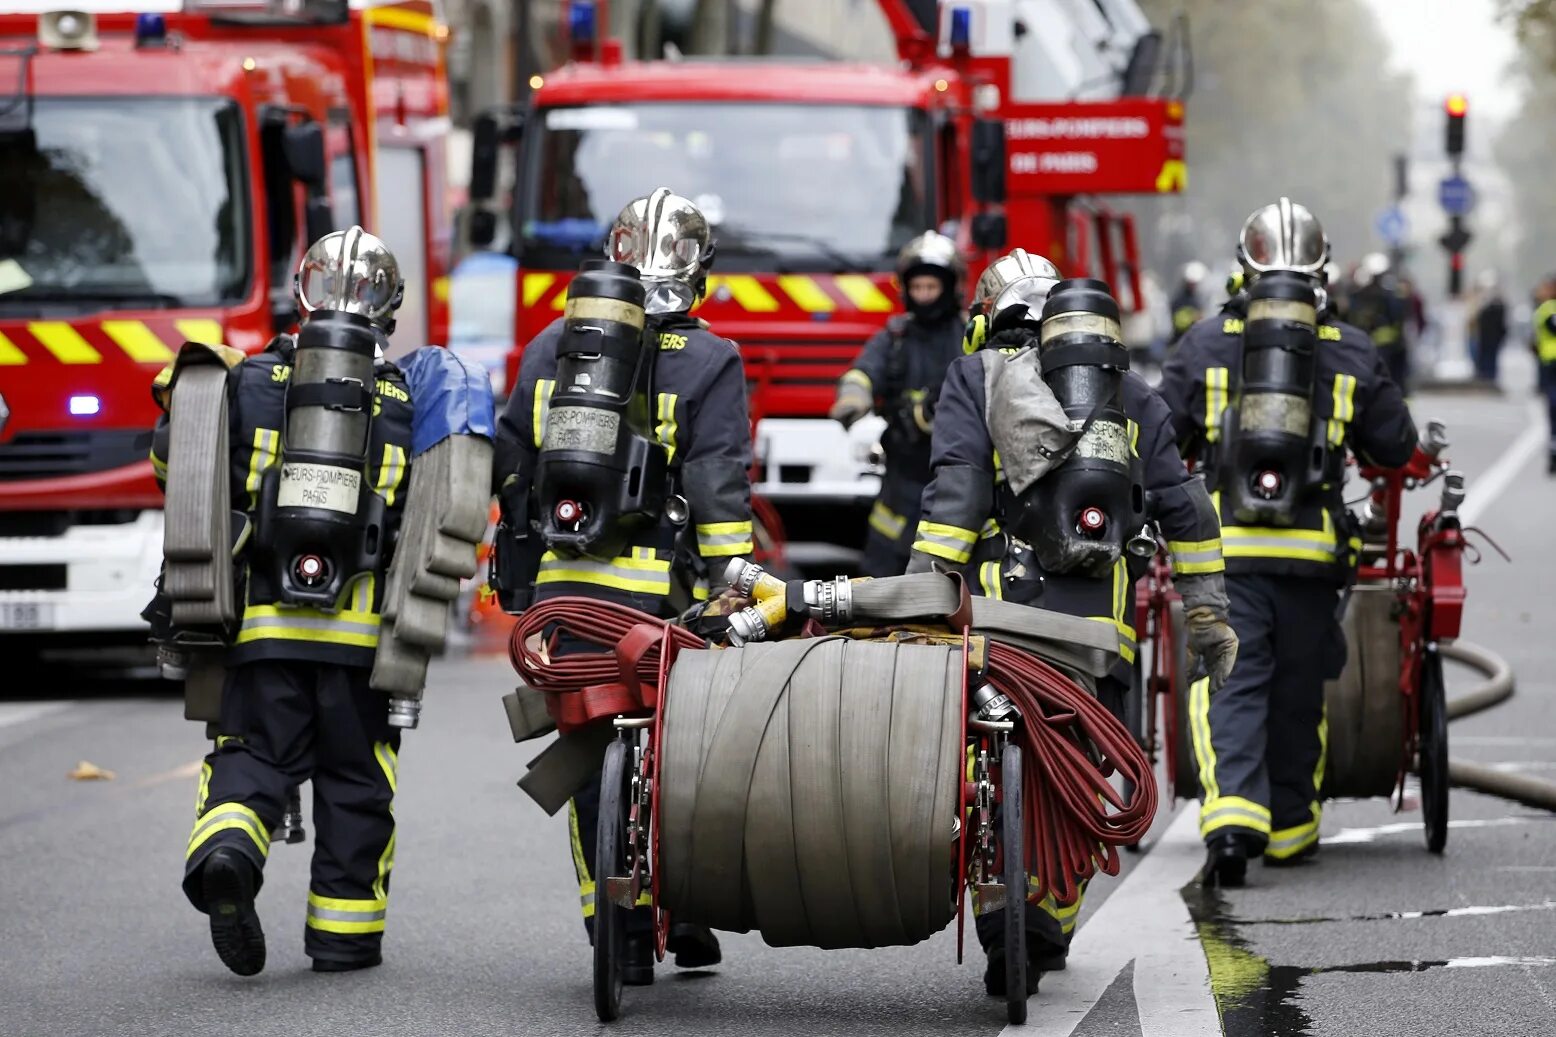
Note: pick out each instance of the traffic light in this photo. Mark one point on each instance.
(1456, 106)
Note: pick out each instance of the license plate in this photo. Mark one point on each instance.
(26, 615)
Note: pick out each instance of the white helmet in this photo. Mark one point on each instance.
(1013, 266)
(353, 272)
(667, 238)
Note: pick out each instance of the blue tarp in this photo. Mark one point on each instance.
(452, 397)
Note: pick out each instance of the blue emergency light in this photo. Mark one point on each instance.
(961, 28)
(581, 22)
(150, 30)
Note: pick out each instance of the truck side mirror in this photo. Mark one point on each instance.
(491, 131)
(989, 231)
(987, 175)
(303, 146)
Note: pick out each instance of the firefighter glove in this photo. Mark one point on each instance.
(853, 402)
(1211, 641)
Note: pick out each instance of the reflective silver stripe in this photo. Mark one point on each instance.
(1261, 823)
(1197, 557)
(325, 914)
(244, 819)
(639, 576)
(1293, 842)
(955, 546)
(1317, 542)
(302, 623)
(723, 539)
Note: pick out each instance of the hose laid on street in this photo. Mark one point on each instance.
(1497, 688)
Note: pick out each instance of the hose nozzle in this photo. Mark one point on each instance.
(404, 713)
(750, 580)
(1435, 441)
(1453, 492)
(830, 601)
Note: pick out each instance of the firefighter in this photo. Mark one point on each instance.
(975, 520)
(1377, 308)
(296, 703)
(1266, 397)
(700, 424)
(1543, 323)
(898, 375)
(1186, 304)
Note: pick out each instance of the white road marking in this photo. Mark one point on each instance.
(1144, 921)
(21, 712)
(1486, 488)
(1367, 835)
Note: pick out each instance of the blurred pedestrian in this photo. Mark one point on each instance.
(1490, 328)
(1543, 327)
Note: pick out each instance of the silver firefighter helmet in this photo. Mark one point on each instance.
(1283, 236)
(1019, 301)
(353, 272)
(931, 253)
(1005, 271)
(667, 238)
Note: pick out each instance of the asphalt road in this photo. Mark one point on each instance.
(1378, 937)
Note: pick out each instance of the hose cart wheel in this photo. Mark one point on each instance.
(610, 920)
(1432, 764)
(1185, 767)
(1013, 849)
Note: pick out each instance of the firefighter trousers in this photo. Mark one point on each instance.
(893, 524)
(583, 818)
(1259, 741)
(285, 723)
(1548, 388)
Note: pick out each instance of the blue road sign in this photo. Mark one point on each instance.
(1455, 195)
(1392, 226)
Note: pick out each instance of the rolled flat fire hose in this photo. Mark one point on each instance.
(1497, 688)
(763, 828)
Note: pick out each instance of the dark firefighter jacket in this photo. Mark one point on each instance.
(903, 367)
(701, 420)
(256, 390)
(965, 502)
(1357, 403)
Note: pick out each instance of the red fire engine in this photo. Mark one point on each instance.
(161, 172)
(814, 174)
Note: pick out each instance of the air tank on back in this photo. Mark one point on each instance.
(1273, 454)
(600, 475)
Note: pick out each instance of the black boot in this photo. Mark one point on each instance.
(330, 965)
(228, 880)
(994, 973)
(1226, 863)
(694, 946)
(637, 962)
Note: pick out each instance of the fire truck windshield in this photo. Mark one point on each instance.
(785, 186)
(124, 201)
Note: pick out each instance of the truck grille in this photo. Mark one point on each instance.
(47, 455)
(795, 364)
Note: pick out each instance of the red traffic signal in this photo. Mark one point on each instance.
(1457, 106)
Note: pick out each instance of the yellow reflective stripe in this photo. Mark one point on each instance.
(1190, 557)
(724, 539)
(335, 915)
(639, 575)
(64, 341)
(580, 868)
(1216, 381)
(806, 293)
(989, 579)
(353, 624)
(266, 445)
(158, 467)
(951, 543)
(391, 471)
(200, 329)
(1134, 436)
(886, 522)
(139, 342)
(543, 389)
(1288, 842)
(857, 377)
(203, 789)
(1199, 735)
(10, 354)
(1344, 407)
(1259, 542)
(863, 293)
(536, 286)
(1223, 811)
(665, 431)
(225, 816)
(389, 763)
(1323, 759)
(747, 291)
